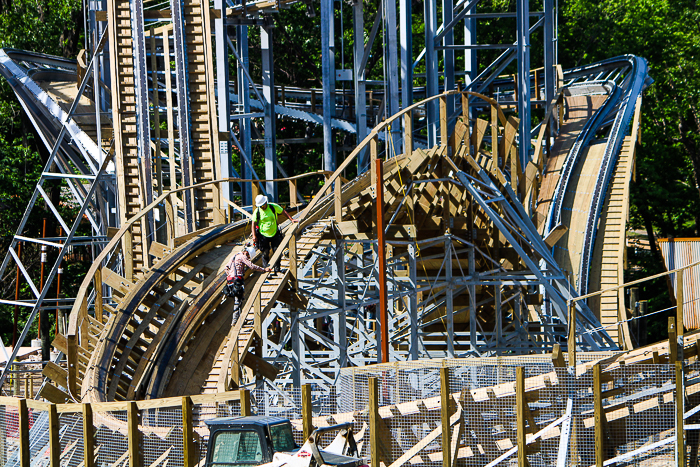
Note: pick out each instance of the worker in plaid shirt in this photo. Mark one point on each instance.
(235, 271)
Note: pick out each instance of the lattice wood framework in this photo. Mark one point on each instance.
(461, 281)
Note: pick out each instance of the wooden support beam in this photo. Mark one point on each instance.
(465, 115)
(494, 139)
(408, 133)
(88, 437)
(443, 121)
(520, 407)
(374, 418)
(24, 455)
(558, 357)
(445, 413)
(133, 434)
(98, 295)
(72, 357)
(188, 446)
(599, 415)
(54, 440)
(672, 341)
(306, 413)
(571, 341)
(293, 193)
(338, 201)
(245, 402)
(680, 411)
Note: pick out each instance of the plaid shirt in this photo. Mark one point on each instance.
(238, 264)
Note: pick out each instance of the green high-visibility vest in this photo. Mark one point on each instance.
(267, 219)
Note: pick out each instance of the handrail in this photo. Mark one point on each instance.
(638, 281)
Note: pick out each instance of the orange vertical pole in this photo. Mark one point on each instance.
(381, 259)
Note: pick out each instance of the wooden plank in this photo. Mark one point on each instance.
(260, 366)
(52, 394)
(56, 374)
(555, 235)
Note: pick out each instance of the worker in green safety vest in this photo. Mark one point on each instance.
(266, 233)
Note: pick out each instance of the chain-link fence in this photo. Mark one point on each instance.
(638, 404)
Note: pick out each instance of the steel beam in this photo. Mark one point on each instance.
(431, 70)
(392, 75)
(268, 78)
(223, 102)
(244, 105)
(359, 82)
(328, 71)
(524, 107)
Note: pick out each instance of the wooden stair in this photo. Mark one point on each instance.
(267, 289)
(129, 173)
(202, 117)
(611, 245)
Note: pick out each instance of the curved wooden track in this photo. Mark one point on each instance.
(169, 333)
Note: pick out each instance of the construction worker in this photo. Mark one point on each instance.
(265, 231)
(235, 271)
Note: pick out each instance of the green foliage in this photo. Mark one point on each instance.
(47, 26)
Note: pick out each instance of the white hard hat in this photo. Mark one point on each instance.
(260, 200)
(251, 250)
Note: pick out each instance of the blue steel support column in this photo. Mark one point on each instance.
(359, 77)
(431, 70)
(223, 101)
(244, 104)
(268, 79)
(470, 65)
(328, 70)
(406, 38)
(549, 47)
(183, 109)
(449, 55)
(523, 20)
(392, 74)
(143, 125)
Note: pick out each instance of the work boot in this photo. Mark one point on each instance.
(277, 268)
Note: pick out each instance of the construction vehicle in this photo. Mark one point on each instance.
(269, 442)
